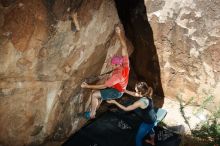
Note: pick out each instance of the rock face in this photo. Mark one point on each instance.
(43, 61)
(187, 38)
(194, 115)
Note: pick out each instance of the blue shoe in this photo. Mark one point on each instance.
(87, 115)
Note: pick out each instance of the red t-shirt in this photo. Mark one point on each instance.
(119, 78)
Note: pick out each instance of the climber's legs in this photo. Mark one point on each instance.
(95, 97)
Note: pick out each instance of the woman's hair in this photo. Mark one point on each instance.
(144, 89)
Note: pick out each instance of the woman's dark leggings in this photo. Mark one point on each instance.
(143, 130)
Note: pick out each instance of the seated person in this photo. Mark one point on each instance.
(144, 108)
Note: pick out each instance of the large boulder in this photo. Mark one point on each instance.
(187, 38)
(43, 61)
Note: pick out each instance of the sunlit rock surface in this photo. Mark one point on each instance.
(43, 61)
(185, 115)
(187, 38)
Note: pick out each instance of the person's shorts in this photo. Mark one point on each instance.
(110, 93)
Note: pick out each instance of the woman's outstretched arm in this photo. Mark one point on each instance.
(135, 94)
(135, 105)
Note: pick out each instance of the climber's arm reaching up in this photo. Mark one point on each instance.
(121, 35)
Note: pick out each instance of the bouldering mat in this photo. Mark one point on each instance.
(118, 128)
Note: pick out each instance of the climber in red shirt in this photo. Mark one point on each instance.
(115, 86)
